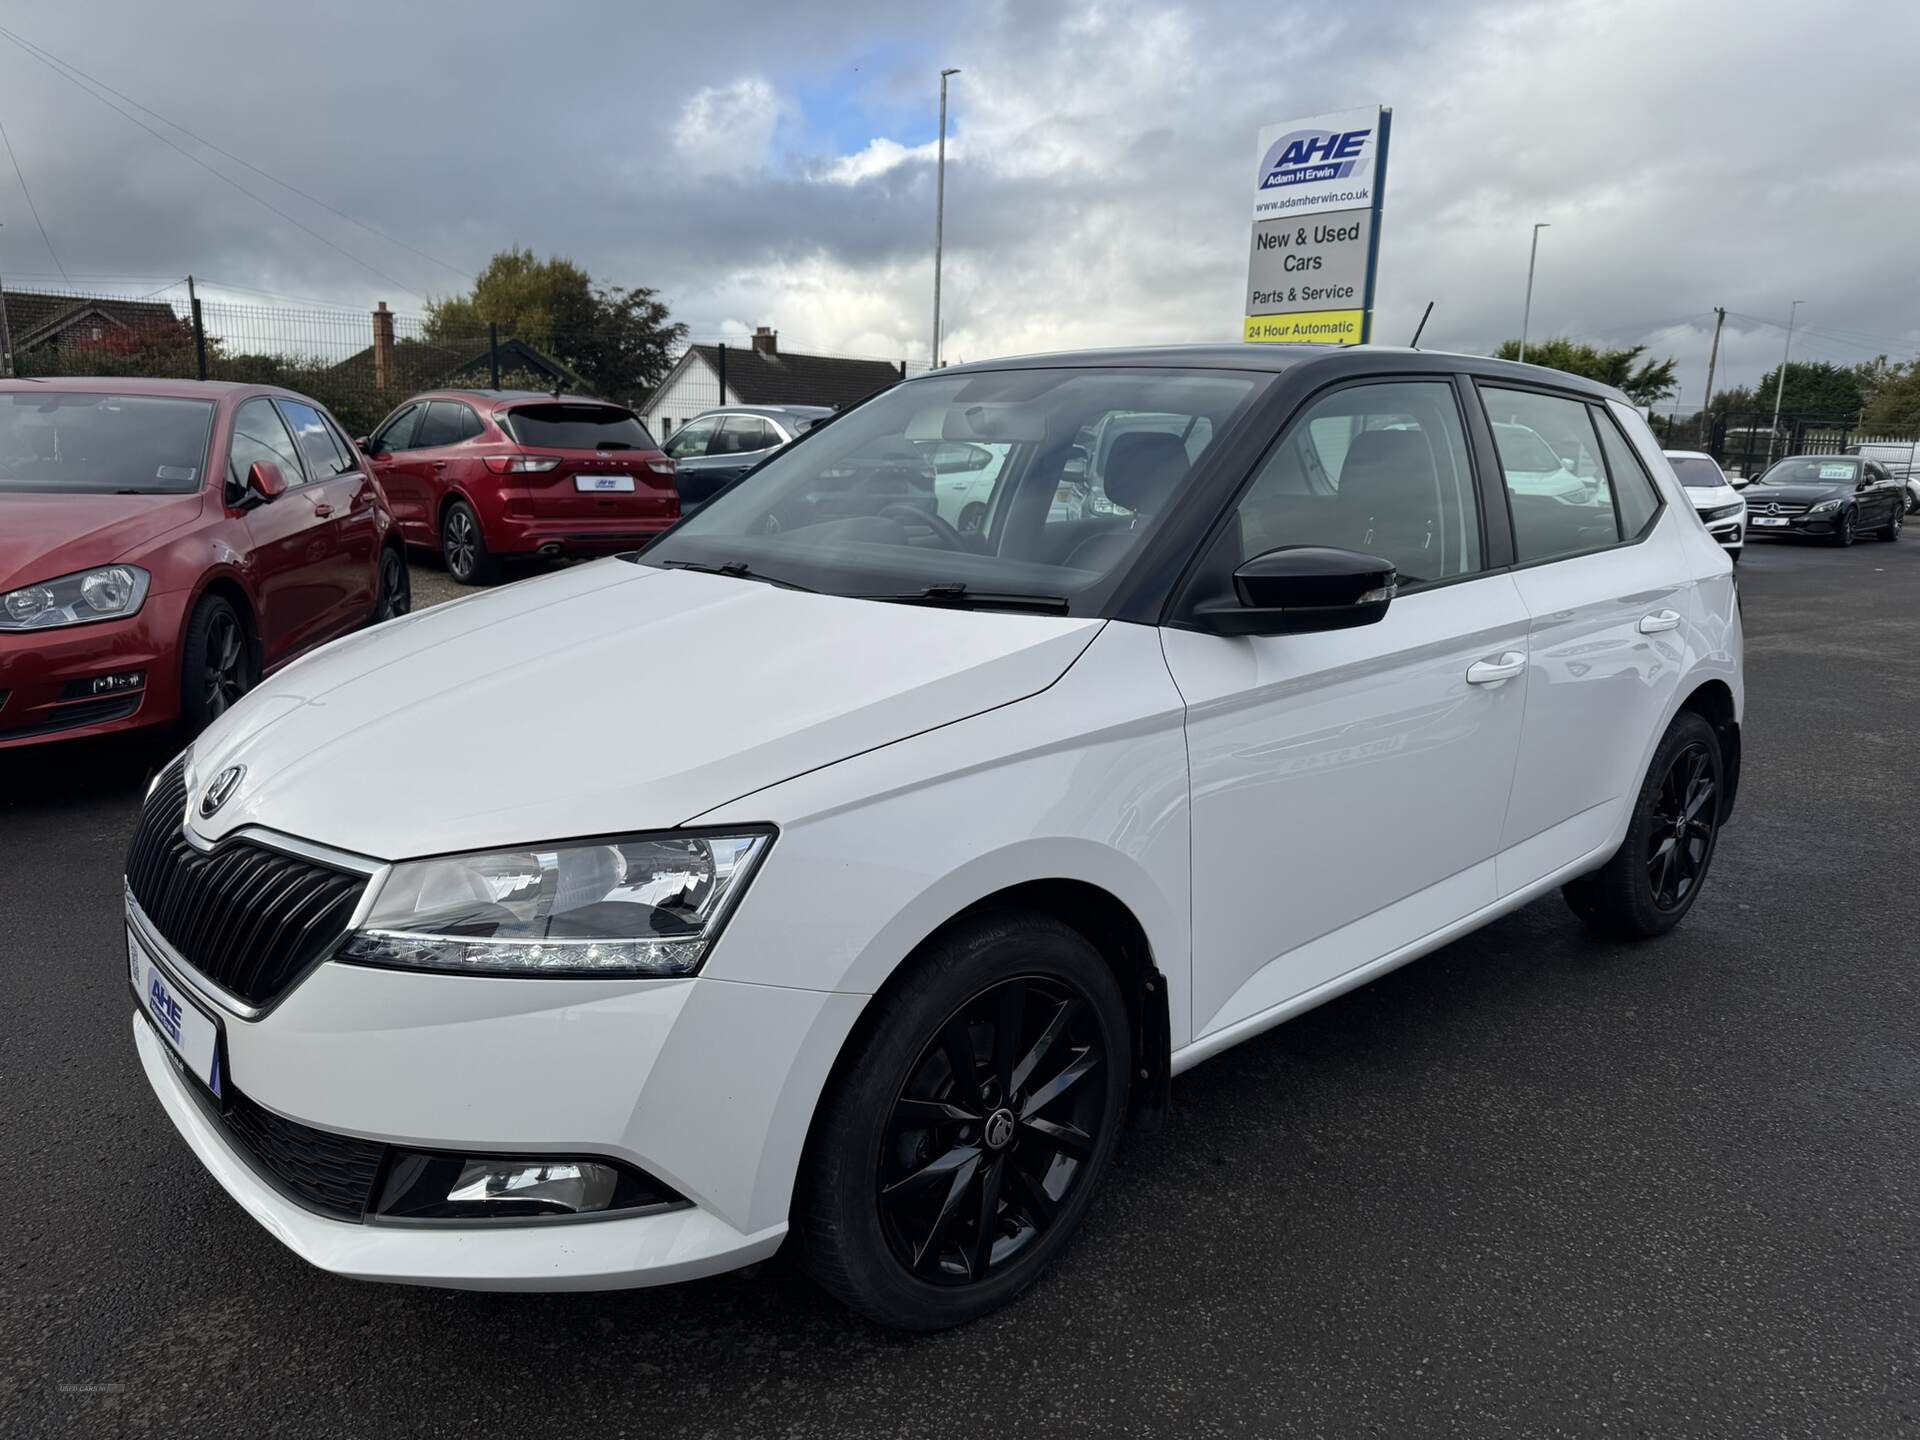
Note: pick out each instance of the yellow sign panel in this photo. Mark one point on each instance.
(1306, 327)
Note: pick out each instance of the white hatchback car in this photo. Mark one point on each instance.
(823, 874)
(1720, 506)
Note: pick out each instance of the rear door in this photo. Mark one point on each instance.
(606, 468)
(441, 460)
(1603, 576)
(1348, 787)
(1888, 498)
(342, 496)
(295, 557)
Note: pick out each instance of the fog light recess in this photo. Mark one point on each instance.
(422, 1185)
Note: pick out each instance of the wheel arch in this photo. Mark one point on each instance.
(1712, 700)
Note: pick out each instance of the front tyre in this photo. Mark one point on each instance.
(1891, 530)
(1653, 879)
(968, 1125)
(1843, 528)
(216, 664)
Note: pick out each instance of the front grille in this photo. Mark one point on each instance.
(333, 1174)
(249, 918)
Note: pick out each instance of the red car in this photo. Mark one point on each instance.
(164, 544)
(480, 474)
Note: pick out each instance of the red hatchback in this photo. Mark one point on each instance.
(480, 474)
(164, 544)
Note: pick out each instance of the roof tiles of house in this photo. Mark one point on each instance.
(786, 378)
(34, 315)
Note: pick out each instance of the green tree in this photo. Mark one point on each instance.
(1736, 401)
(619, 339)
(1896, 402)
(1645, 382)
(1813, 388)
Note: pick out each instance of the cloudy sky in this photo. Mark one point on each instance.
(772, 162)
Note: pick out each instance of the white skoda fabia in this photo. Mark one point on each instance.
(828, 875)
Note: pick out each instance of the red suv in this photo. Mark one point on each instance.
(480, 474)
(164, 544)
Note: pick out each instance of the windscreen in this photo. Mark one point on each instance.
(1814, 470)
(1697, 474)
(561, 426)
(887, 501)
(67, 443)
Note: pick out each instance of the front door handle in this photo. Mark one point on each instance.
(1493, 672)
(322, 509)
(1660, 620)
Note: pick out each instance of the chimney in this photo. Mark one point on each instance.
(766, 341)
(382, 347)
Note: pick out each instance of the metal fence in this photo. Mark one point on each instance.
(358, 364)
(1745, 442)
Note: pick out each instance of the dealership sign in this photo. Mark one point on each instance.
(1316, 229)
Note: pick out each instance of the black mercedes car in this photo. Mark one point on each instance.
(1834, 497)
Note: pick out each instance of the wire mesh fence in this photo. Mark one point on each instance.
(361, 364)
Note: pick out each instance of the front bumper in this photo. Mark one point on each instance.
(46, 677)
(1796, 525)
(707, 1085)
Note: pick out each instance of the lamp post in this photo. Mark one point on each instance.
(1780, 386)
(940, 214)
(1526, 315)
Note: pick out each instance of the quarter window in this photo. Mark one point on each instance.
(1556, 481)
(1633, 494)
(1381, 469)
(259, 435)
(315, 438)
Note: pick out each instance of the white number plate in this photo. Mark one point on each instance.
(1770, 520)
(604, 484)
(189, 1031)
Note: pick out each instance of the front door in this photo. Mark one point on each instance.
(1348, 788)
(403, 476)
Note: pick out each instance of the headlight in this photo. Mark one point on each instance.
(1725, 512)
(109, 593)
(643, 905)
(1824, 506)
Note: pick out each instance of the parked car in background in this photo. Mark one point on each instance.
(1902, 459)
(717, 447)
(1718, 503)
(483, 475)
(165, 544)
(1831, 497)
(1538, 469)
(865, 875)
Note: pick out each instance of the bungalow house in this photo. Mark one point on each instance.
(760, 375)
(40, 330)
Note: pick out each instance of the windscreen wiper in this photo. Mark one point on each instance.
(736, 570)
(956, 595)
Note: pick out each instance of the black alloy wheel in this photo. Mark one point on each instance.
(224, 674)
(968, 1123)
(1843, 527)
(216, 663)
(1681, 837)
(991, 1131)
(396, 586)
(1895, 521)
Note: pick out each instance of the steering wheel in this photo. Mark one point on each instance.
(932, 519)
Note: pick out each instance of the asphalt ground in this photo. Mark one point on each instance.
(1533, 1184)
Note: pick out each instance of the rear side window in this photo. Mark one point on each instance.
(448, 422)
(1381, 469)
(316, 440)
(741, 434)
(1634, 497)
(561, 426)
(258, 434)
(1557, 511)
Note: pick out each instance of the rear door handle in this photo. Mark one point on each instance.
(1493, 672)
(1660, 620)
(439, 464)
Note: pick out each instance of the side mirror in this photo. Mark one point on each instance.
(364, 444)
(1299, 589)
(1738, 482)
(265, 481)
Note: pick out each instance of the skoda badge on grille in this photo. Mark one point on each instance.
(222, 788)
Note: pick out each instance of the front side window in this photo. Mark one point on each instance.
(73, 443)
(856, 509)
(1378, 469)
(691, 440)
(258, 434)
(397, 434)
(1550, 458)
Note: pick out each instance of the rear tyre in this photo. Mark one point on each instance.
(967, 1126)
(1653, 879)
(1843, 533)
(1895, 521)
(464, 546)
(216, 664)
(396, 586)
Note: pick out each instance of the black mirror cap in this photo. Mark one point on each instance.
(1300, 589)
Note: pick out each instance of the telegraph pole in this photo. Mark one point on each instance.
(1713, 359)
(1526, 315)
(1780, 388)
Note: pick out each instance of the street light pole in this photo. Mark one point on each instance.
(1526, 315)
(1780, 386)
(940, 215)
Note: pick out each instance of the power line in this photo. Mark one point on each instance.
(222, 176)
(40, 52)
(33, 208)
